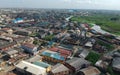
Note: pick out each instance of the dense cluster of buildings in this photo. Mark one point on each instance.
(46, 42)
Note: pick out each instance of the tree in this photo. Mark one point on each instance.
(93, 57)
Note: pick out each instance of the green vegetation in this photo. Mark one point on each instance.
(34, 34)
(93, 57)
(108, 46)
(48, 37)
(109, 69)
(36, 42)
(109, 22)
(91, 25)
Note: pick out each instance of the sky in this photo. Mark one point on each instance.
(68, 4)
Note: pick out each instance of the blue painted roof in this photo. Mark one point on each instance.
(41, 64)
(17, 19)
(53, 55)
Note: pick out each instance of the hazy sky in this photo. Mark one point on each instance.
(78, 4)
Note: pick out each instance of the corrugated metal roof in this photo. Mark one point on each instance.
(11, 51)
(54, 49)
(41, 64)
(116, 62)
(59, 68)
(35, 58)
(29, 45)
(34, 69)
(61, 50)
(77, 63)
(53, 55)
(90, 71)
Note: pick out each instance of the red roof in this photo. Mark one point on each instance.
(29, 45)
(61, 51)
(65, 56)
(55, 49)
(64, 51)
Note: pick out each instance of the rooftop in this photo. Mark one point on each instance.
(77, 63)
(84, 53)
(35, 58)
(90, 71)
(34, 69)
(53, 55)
(6, 73)
(59, 68)
(61, 50)
(41, 64)
(116, 62)
(29, 45)
(11, 51)
(6, 29)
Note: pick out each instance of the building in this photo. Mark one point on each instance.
(7, 30)
(52, 56)
(30, 69)
(60, 69)
(18, 20)
(78, 63)
(68, 47)
(83, 53)
(11, 53)
(63, 52)
(116, 64)
(67, 67)
(29, 48)
(102, 64)
(22, 32)
(44, 65)
(34, 59)
(89, 44)
(89, 71)
(6, 38)
(2, 33)
(118, 38)
(7, 73)
(23, 39)
(8, 46)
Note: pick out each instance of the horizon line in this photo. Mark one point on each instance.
(56, 8)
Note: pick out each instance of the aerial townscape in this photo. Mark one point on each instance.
(59, 42)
